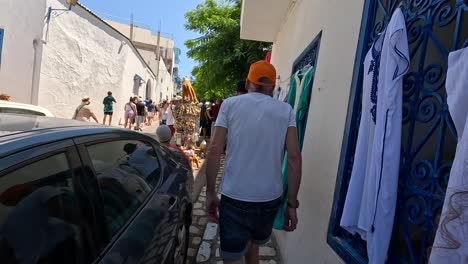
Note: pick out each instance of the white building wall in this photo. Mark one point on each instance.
(22, 21)
(165, 84)
(340, 23)
(85, 57)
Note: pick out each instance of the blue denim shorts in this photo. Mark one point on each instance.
(240, 222)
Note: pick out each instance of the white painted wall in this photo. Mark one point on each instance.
(83, 56)
(22, 21)
(340, 22)
(167, 85)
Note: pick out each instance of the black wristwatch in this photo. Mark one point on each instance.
(293, 204)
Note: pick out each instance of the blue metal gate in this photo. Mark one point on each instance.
(435, 28)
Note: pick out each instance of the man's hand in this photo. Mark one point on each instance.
(212, 203)
(290, 219)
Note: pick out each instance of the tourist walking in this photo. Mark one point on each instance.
(170, 118)
(208, 115)
(83, 112)
(151, 108)
(130, 112)
(212, 113)
(141, 114)
(163, 113)
(203, 119)
(108, 102)
(257, 129)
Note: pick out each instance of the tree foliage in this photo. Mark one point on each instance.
(223, 58)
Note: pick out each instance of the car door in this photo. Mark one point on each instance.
(138, 217)
(43, 207)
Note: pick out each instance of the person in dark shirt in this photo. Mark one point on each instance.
(141, 114)
(241, 88)
(108, 108)
(151, 108)
(209, 117)
(203, 118)
(212, 113)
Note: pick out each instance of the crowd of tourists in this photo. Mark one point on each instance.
(138, 112)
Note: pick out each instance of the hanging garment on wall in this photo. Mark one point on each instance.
(305, 86)
(451, 241)
(303, 104)
(295, 82)
(276, 93)
(283, 96)
(371, 199)
(363, 154)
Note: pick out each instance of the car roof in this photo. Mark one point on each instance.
(18, 132)
(25, 106)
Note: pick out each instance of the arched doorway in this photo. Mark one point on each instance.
(148, 89)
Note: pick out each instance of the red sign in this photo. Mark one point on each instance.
(268, 56)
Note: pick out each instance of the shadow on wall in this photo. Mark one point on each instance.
(137, 82)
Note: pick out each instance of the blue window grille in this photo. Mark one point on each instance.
(435, 28)
(309, 56)
(2, 32)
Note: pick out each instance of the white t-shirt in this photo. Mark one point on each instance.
(257, 125)
(170, 116)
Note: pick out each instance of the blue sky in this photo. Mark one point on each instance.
(150, 12)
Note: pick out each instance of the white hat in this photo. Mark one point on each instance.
(164, 133)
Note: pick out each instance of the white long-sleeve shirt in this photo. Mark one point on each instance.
(372, 193)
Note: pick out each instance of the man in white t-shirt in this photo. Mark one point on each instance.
(257, 128)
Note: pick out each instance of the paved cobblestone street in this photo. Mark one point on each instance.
(204, 236)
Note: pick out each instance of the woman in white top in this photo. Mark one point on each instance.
(130, 112)
(163, 113)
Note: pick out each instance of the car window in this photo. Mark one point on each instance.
(127, 171)
(8, 110)
(39, 222)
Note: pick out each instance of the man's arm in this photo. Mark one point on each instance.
(294, 164)
(213, 160)
(207, 113)
(215, 150)
(294, 178)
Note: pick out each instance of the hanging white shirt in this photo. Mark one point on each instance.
(374, 191)
(451, 241)
(362, 155)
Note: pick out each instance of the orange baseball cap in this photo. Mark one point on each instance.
(262, 69)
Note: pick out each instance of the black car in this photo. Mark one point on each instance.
(74, 192)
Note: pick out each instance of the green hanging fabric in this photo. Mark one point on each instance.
(295, 81)
(303, 105)
(301, 114)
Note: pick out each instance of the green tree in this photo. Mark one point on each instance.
(223, 58)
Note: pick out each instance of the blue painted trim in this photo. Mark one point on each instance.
(2, 33)
(340, 246)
